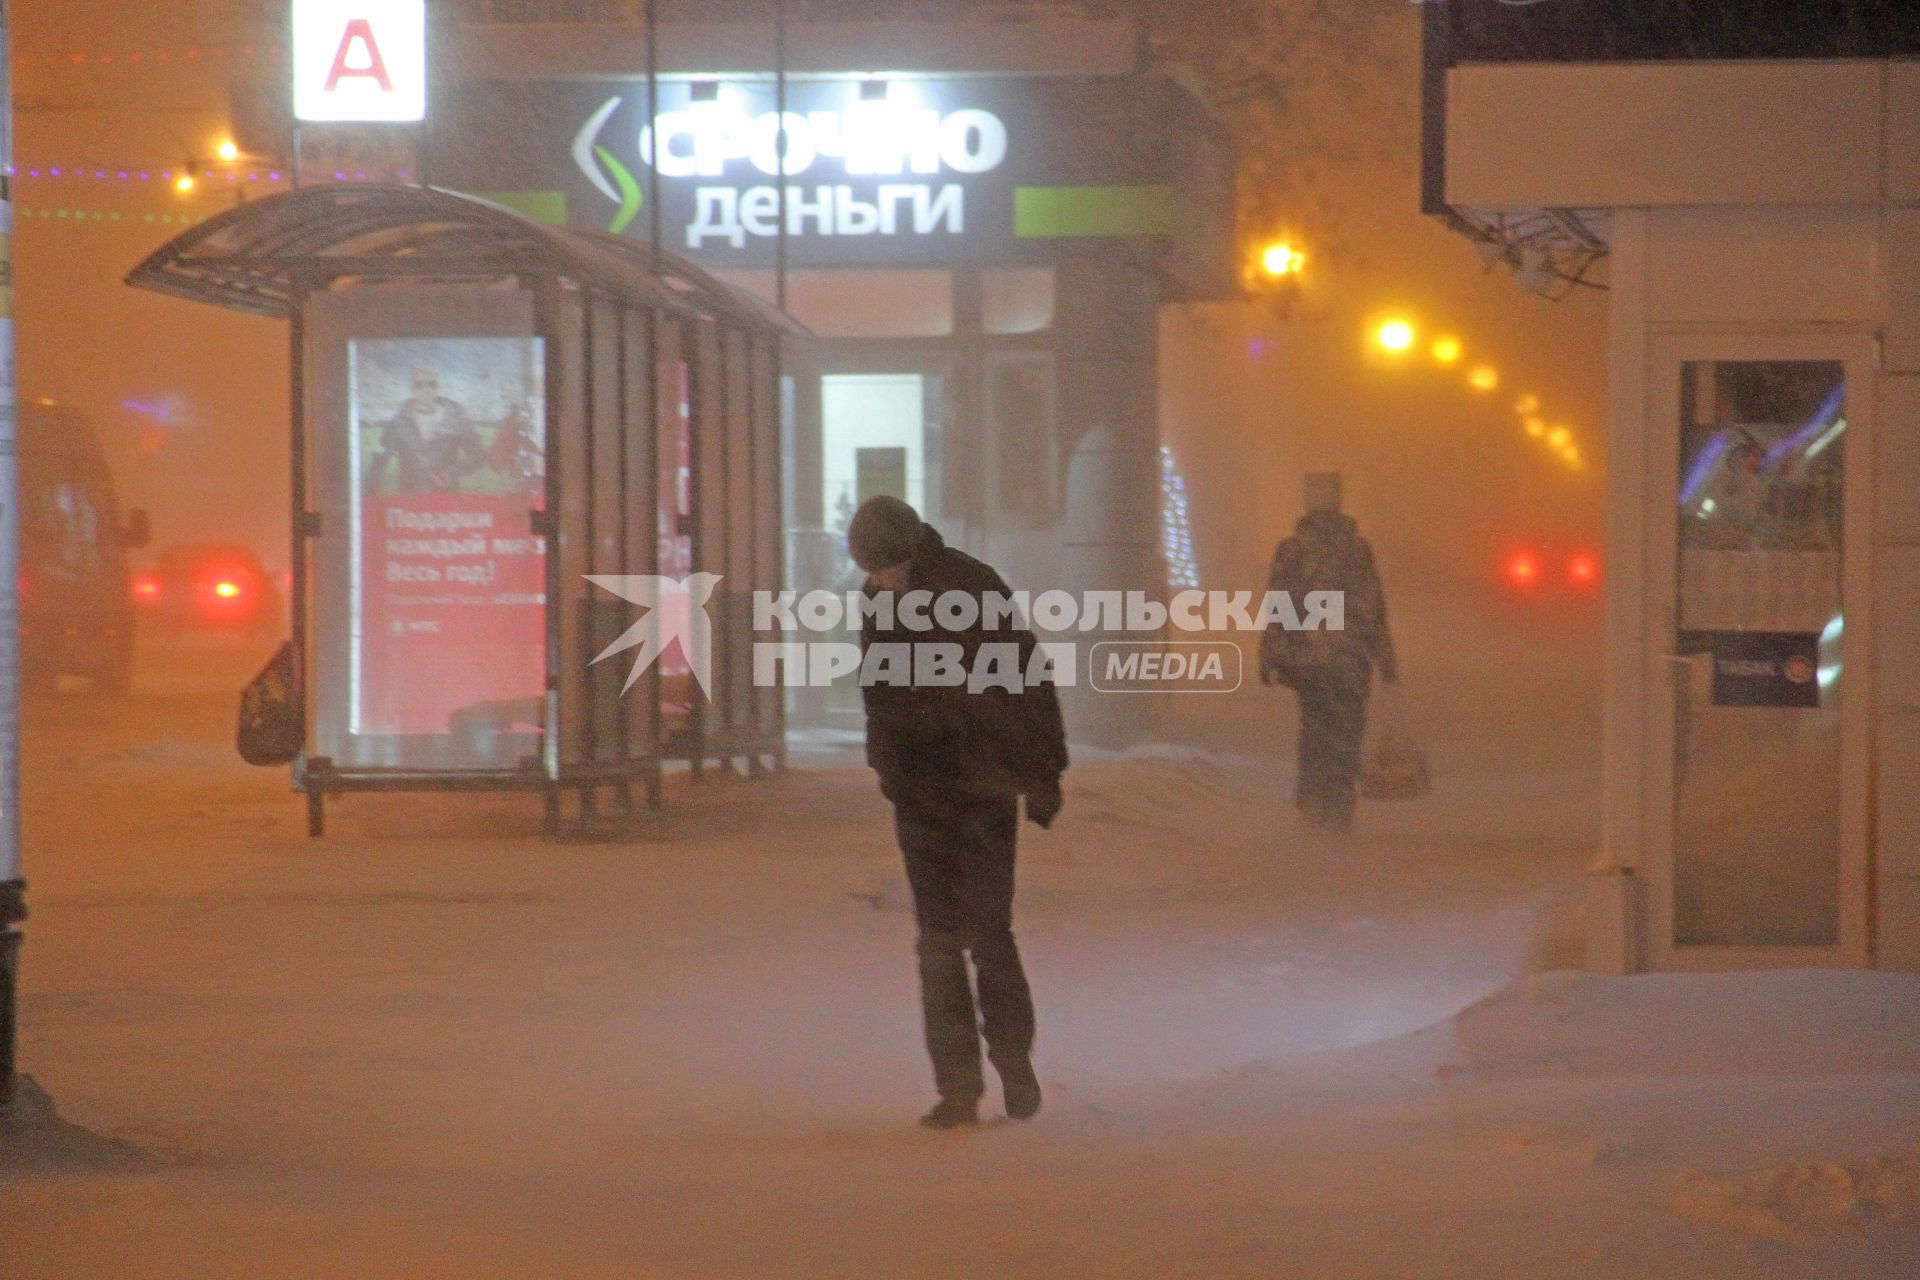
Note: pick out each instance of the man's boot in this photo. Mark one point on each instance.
(951, 1113)
(1020, 1087)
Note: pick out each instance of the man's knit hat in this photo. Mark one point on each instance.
(885, 531)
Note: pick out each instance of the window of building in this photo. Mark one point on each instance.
(1016, 300)
(1020, 420)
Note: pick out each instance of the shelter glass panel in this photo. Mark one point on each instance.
(427, 419)
(674, 385)
(742, 530)
(573, 509)
(606, 446)
(710, 500)
(641, 464)
(769, 544)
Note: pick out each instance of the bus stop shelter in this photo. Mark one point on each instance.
(515, 448)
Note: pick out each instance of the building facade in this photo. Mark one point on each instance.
(977, 219)
(1748, 178)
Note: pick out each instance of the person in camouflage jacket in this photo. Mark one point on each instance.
(1331, 670)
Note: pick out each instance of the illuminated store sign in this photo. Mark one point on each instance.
(360, 60)
(728, 150)
(875, 171)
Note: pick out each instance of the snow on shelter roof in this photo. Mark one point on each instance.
(257, 256)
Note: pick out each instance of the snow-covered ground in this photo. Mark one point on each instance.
(433, 1044)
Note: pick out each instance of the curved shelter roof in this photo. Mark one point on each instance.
(258, 256)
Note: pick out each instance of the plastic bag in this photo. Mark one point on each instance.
(1395, 766)
(272, 726)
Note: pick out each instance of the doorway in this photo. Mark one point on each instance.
(1758, 715)
(872, 441)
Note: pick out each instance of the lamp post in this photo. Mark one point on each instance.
(13, 906)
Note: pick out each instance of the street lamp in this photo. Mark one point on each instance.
(1483, 378)
(1446, 349)
(1395, 336)
(1281, 260)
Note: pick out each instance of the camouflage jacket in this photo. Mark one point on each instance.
(1327, 553)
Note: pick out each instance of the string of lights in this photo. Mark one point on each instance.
(137, 58)
(128, 173)
(76, 217)
(1175, 531)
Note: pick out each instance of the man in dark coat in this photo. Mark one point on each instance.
(1330, 670)
(429, 444)
(953, 761)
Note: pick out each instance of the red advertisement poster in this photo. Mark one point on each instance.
(449, 577)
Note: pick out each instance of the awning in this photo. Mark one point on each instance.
(257, 256)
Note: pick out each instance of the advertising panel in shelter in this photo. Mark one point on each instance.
(447, 442)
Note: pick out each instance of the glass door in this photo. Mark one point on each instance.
(1758, 716)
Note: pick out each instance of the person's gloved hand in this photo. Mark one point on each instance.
(1043, 804)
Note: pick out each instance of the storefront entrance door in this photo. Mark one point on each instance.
(1757, 814)
(872, 435)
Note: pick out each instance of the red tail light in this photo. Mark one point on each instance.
(146, 589)
(1523, 569)
(227, 589)
(1583, 570)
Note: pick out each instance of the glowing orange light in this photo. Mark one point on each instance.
(183, 183)
(1395, 335)
(1535, 427)
(1282, 259)
(1583, 569)
(227, 589)
(1527, 404)
(1446, 349)
(1523, 570)
(228, 150)
(1559, 437)
(1483, 378)
(146, 588)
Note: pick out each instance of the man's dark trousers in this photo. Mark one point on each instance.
(1333, 719)
(960, 862)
